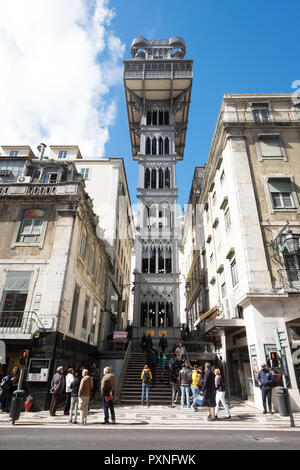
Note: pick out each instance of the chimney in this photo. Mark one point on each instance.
(41, 148)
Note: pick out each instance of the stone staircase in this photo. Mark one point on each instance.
(160, 390)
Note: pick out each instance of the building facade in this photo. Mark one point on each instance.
(158, 83)
(54, 269)
(249, 204)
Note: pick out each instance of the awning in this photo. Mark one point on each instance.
(211, 314)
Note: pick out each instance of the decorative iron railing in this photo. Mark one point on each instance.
(290, 278)
(19, 322)
(260, 119)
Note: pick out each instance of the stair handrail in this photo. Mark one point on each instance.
(123, 372)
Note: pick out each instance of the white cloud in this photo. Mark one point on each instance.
(59, 60)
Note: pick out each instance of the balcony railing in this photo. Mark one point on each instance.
(11, 189)
(260, 119)
(19, 322)
(290, 278)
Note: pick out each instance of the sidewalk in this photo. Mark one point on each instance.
(243, 417)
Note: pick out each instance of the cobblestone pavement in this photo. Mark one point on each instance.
(243, 416)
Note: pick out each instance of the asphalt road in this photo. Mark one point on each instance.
(25, 438)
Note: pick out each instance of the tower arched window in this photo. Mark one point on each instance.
(167, 146)
(160, 178)
(148, 146)
(153, 179)
(161, 118)
(147, 178)
(154, 146)
(149, 118)
(166, 113)
(167, 178)
(154, 118)
(160, 146)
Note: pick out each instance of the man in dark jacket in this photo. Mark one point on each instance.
(163, 343)
(266, 380)
(209, 392)
(57, 388)
(185, 380)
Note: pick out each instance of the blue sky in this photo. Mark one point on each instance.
(237, 47)
(61, 64)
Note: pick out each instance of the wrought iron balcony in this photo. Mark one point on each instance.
(290, 278)
(254, 118)
(19, 322)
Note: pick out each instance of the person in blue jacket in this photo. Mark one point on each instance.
(266, 381)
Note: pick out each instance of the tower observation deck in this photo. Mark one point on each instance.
(158, 84)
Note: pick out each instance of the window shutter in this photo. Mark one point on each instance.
(270, 146)
(280, 185)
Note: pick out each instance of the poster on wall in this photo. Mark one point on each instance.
(254, 364)
(38, 370)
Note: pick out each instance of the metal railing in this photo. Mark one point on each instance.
(19, 322)
(260, 119)
(290, 278)
(123, 372)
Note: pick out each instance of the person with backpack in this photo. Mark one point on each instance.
(146, 379)
(185, 380)
(220, 394)
(13, 386)
(4, 391)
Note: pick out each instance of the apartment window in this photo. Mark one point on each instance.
(11, 170)
(74, 309)
(31, 226)
(260, 111)
(227, 219)
(98, 276)
(214, 198)
(50, 176)
(234, 274)
(222, 177)
(91, 264)
(84, 173)
(270, 146)
(281, 193)
(85, 317)
(62, 154)
(14, 153)
(14, 298)
(83, 243)
(223, 289)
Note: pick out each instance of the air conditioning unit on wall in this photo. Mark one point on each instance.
(24, 179)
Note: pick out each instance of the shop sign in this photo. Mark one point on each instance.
(120, 336)
(38, 370)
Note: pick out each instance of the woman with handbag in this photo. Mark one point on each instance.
(220, 394)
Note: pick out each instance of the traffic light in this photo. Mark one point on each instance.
(24, 357)
(280, 338)
(274, 359)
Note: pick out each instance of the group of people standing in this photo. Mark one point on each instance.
(80, 388)
(207, 387)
